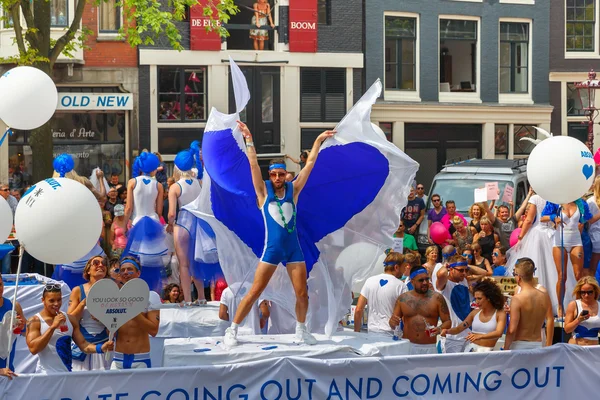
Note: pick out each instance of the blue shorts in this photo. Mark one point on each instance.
(287, 253)
(130, 361)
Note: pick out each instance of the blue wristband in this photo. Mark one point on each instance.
(99, 348)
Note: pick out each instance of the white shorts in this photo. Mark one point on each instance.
(524, 345)
(453, 345)
(475, 348)
(416, 349)
(131, 361)
(92, 362)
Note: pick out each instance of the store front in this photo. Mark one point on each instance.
(91, 125)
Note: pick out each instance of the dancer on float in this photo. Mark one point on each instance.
(93, 330)
(72, 274)
(144, 204)
(420, 309)
(487, 321)
(582, 319)
(50, 332)
(569, 219)
(184, 191)
(7, 367)
(277, 198)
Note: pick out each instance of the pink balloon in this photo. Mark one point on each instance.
(439, 234)
(514, 237)
(597, 157)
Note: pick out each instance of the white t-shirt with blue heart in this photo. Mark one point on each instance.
(381, 292)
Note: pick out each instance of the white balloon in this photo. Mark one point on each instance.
(29, 98)
(359, 261)
(378, 131)
(561, 169)
(6, 219)
(58, 221)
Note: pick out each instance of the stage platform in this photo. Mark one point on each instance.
(346, 344)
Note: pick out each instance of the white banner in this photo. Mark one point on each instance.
(561, 371)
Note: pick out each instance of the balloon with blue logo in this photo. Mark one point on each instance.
(561, 169)
(58, 220)
(29, 98)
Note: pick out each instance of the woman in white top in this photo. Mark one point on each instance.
(93, 330)
(147, 239)
(594, 227)
(582, 317)
(186, 189)
(487, 321)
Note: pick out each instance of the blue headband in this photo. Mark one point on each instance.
(276, 166)
(453, 252)
(387, 264)
(458, 264)
(132, 262)
(418, 272)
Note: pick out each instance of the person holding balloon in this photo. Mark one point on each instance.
(7, 366)
(435, 214)
(594, 227)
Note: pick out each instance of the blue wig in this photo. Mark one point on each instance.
(195, 148)
(63, 163)
(145, 163)
(185, 159)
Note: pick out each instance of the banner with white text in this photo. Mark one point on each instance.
(552, 373)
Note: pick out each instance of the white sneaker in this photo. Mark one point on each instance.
(305, 337)
(230, 339)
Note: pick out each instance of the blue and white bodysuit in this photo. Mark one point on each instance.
(5, 310)
(279, 215)
(94, 332)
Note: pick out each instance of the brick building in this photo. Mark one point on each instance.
(96, 119)
(306, 78)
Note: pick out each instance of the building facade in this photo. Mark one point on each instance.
(462, 78)
(303, 81)
(574, 50)
(96, 117)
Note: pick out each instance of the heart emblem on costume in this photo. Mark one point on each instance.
(288, 212)
(383, 282)
(243, 290)
(5, 329)
(588, 171)
(113, 306)
(146, 181)
(189, 181)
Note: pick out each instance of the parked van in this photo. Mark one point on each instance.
(458, 182)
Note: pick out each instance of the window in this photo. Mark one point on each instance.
(578, 130)
(59, 13)
(581, 21)
(400, 53)
(574, 106)
(324, 12)
(322, 94)
(514, 56)
(7, 19)
(458, 58)
(523, 147)
(109, 17)
(182, 94)
(501, 140)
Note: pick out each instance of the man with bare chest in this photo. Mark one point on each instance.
(132, 348)
(420, 309)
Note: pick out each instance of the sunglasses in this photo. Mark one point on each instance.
(461, 270)
(4, 190)
(420, 188)
(496, 254)
(468, 255)
(435, 200)
(278, 174)
(588, 292)
(95, 263)
(423, 280)
(52, 287)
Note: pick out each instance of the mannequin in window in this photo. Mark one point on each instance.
(262, 11)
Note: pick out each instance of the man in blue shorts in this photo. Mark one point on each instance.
(277, 199)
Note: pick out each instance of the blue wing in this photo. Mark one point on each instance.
(344, 180)
(232, 193)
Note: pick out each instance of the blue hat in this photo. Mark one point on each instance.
(63, 163)
(146, 163)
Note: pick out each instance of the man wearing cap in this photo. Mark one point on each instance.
(452, 284)
(113, 200)
(132, 348)
(420, 309)
(277, 199)
(381, 292)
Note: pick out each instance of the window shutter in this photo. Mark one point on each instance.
(310, 97)
(303, 26)
(199, 38)
(335, 94)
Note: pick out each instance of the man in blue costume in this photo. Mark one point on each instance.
(277, 199)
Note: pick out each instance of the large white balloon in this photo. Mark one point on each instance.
(58, 221)
(561, 169)
(29, 98)
(359, 261)
(6, 219)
